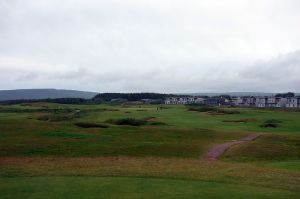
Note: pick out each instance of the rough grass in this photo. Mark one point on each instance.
(173, 169)
(266, 148)
(264, 168)
(34, 138)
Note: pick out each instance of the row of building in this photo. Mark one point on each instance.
(289, 102)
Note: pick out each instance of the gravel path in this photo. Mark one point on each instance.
(220, 149)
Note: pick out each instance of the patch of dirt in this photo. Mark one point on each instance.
(150, 119)
(214, 113)
(220, 149)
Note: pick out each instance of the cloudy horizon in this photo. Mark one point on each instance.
(167, 46)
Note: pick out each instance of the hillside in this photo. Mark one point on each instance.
(43, 94)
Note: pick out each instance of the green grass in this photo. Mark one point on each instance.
(125, 187)
(266, 148)
(67, 154)
(289, 165)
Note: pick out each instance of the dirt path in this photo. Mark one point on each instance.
(220, 149)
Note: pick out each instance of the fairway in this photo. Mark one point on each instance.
(125, 187)
(50, 150)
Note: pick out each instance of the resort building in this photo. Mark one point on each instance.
(261, 102)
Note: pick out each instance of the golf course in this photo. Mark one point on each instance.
(133, 150)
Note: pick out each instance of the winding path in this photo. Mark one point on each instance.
(220, 149)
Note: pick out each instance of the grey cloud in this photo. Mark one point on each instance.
(114, 45)
(283, 66)
(27, 77)
(278, 74)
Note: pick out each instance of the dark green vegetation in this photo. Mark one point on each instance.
(90, 125)
(130, 96)
(212, 110)
(271, 123)
(127, 121)
(289, 94)
(50, 150)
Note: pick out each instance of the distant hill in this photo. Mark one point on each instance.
(43, 94)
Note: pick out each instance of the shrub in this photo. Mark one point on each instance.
(269, 125)
(127, 121)
(90, 125)
(157, 123)
(212, 110)
(272, 123)
(241, 120)
(44, 118)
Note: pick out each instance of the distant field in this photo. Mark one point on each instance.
(52, 150)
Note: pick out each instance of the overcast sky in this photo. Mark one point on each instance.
(157, 45)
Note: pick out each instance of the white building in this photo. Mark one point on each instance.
(292, 102)
(183, 100)
(261, 102)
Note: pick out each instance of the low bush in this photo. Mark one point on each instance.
(157, 123)
(241, 120)
(90, 125)
(272, 123)
(44, 118)
(127, 121)
(212, 110)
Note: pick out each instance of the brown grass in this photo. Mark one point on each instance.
(151, 167)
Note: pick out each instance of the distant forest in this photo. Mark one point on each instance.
(103, 97)
(130, 96)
